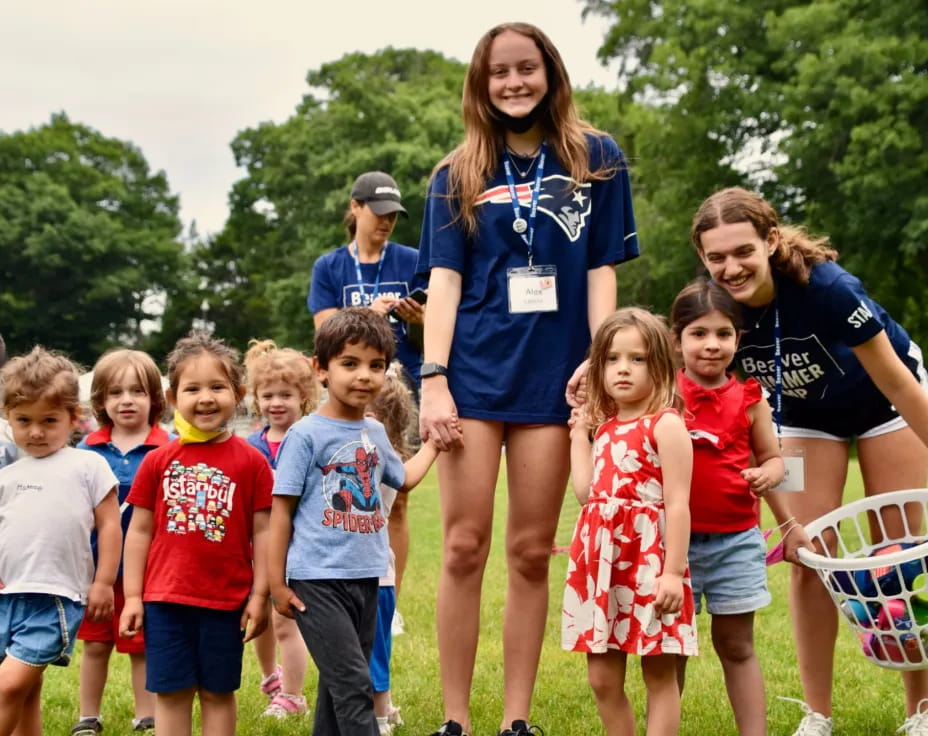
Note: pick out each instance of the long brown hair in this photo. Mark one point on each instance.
(661, 362)
(473, 162)
(796, 251)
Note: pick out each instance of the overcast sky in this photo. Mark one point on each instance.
(179, 78)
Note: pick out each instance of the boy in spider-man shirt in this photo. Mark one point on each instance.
(329, 541)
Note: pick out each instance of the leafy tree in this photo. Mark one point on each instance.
(87, 236)
(821, 104)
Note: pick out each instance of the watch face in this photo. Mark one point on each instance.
(433, 369)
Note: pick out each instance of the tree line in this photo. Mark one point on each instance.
(821, 106)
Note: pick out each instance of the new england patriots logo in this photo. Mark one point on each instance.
(566, 202)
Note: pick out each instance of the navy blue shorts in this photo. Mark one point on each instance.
(189, 646)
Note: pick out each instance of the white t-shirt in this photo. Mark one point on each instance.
(46, 515)
(387, 497)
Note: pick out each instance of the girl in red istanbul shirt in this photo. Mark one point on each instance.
(195, 551)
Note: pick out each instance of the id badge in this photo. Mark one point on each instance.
(794, 479)
(532, 289)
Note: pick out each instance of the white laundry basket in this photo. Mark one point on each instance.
(882, 589)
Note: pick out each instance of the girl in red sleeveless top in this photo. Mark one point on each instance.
(728, 422)
(628, 589)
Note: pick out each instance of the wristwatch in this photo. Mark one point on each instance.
(433, 369)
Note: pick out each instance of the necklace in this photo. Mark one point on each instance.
(533, 155)
(761, 316)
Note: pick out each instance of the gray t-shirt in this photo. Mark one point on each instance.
(336, 468)
(46, 515)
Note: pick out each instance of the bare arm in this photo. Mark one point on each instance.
(418, 465)
(135, 556)
(280, 531)
(109, 549)
(675, 451)
(581, 455)
(256, 608)
(322, 315)
(601, 288)
(895, 381)
(769, 469)
(438, 414)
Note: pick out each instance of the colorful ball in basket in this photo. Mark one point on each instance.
(886, 580)
(843, 582)
(884, 647)
(859, 612)
(894, 616)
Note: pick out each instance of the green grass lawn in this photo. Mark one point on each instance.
(868, 699)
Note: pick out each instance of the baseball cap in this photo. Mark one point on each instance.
(379, 191)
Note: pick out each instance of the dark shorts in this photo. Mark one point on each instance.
(868, 414)
(189, 646)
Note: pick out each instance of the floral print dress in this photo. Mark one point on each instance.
(617, 553)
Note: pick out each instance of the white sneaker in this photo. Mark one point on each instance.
(813, 724)
(917, 723)
(399, 625)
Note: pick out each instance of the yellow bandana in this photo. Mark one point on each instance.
(187, 434)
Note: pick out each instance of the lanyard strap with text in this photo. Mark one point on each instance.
(357, 269)
(778, 375)
(519, 224)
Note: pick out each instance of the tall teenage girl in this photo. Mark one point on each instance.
(524, 223)
(736, 460)
(844, 369)
(628, 589)
(195, 551)
(284, 389)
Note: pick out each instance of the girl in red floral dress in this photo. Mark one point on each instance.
(628, 588)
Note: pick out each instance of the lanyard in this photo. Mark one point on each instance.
(778, 374)
(357, 269)
(518, 223)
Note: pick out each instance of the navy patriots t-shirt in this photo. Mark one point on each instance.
(515, 367)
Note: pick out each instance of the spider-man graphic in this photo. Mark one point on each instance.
(356, 488)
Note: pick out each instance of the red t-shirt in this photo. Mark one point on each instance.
(719, 425)
(203, 497)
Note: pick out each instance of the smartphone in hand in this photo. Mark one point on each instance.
(420, 296)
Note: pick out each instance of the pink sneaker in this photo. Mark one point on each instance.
(271, 685)
(283, 706)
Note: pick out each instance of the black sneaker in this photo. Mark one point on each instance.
(521, 728)
(450, 728)
(144, 725)
(87, 727)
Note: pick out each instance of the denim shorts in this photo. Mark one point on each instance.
(383, 639)
(730, 570)
(38, 629)
(190, 646)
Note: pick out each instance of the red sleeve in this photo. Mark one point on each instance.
(145, 486)
(752, 392)
(264, 483)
